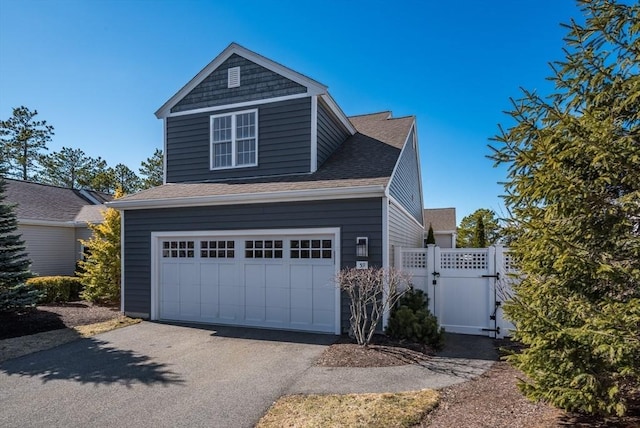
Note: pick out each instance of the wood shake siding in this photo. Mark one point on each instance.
(331, 133)
(358, 217)
(284, 139)
(405, 185)
(256, 83)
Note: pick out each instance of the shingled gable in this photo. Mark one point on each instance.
(362, 166)
(37, 202)
(232, 52)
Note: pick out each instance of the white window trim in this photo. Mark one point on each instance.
(233, 115)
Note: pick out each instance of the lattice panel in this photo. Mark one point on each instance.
(414, 260)
(508, 262)
(466, 260)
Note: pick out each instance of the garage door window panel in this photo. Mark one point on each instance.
(311, 249)
(217, 249)
(263, 249)
(178, 249)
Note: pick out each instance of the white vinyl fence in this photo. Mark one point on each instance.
(466, 286)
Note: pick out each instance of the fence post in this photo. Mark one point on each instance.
(433, 256)
(500, 270)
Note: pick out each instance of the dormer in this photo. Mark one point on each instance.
(246, 116)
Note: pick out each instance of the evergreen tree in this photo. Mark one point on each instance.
(23, 140)
(431, 239)
(100, 270)
(152, 170)
(14, 263)
(479, 236)
(468, 228)
(66, 168)
(573, 189)
(126, 179)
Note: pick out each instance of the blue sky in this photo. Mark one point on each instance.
(98, 70)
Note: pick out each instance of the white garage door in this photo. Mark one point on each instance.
(281, 281)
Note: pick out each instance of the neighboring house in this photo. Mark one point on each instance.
(443, 222)
(52, 220)
(270, 190)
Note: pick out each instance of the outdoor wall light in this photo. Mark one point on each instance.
(362, 246)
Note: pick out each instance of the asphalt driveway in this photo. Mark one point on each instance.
(156, 375)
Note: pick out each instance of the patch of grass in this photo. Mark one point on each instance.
(103, 327)
(403, 409)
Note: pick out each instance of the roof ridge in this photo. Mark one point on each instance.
(371, 114)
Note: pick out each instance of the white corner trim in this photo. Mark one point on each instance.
(314, 133)
(313, 87)
(338, 112)
(385, 233)
(164, 153)
(254, 198)
(239, 105)
(415, 136)
(122, 262)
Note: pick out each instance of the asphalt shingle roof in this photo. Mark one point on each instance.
(440, 218)
(364, 159)
(37, 201)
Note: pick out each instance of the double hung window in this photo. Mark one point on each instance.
(234, 139)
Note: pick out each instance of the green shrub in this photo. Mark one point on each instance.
(411, 320)
(56, 288)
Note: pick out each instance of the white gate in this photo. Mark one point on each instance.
(466, 286)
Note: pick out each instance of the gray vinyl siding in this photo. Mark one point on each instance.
(256, 83)
(405, 183)
(403, 232)
(331, 133)
(50, 248)
(284, 143)
(359, 217)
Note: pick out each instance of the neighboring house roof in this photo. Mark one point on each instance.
(42, 202)
(365, 160)
(441, 219)
(91, 214)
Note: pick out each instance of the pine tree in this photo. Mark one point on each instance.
(100, 270)
(152, 170)
(431, 239)
(14, 263)
(479, 236)
(573, 188)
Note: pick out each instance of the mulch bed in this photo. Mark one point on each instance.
(53, 317)
(382, 352)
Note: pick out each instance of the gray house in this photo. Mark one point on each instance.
(52, 220)
(269, 191)
(443, 222)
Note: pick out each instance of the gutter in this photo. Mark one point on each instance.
(253, 198)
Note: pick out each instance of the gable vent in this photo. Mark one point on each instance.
(233, 80)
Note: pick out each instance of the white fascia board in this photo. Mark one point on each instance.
(50, 223)
(335, 108)
(313, 87)
(415, 133)
(254, 198)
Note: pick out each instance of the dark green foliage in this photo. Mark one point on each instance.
(573, 189)
(430, 238)
(411, 320)
(152, 170)
(22, 139)
(57, 288)
(14, 263)
(480, 227)
(480, 237)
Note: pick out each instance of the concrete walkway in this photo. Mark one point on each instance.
(463, 358)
